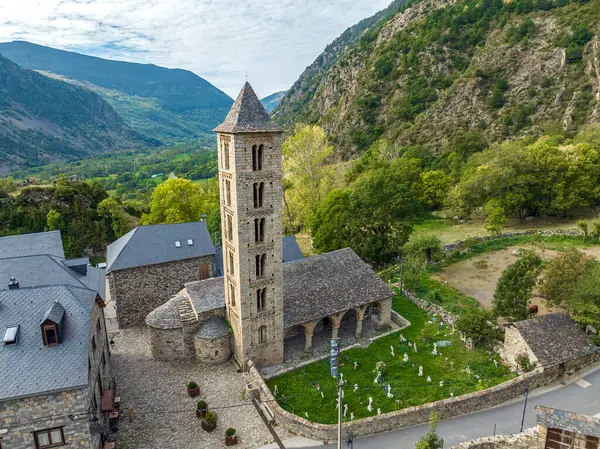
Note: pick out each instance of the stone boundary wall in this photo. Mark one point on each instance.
(447, 408)
(488, 238)
(525, 440)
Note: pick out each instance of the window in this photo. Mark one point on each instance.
(177, 244)
(226, 154)
(93, 344)
(228, 193)
(98, 325)
(257, 158)
(259, 190)
(261, 299)
(262, 334)
(49, 438)
(50, 335)
(190, 242)
(260, 265)
(231, 294)
(11, 335)
(229, 228)
(230, 262)
(203, 271)
(259, 230)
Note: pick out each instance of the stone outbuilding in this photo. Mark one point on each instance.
(552, 340)
(563, 429)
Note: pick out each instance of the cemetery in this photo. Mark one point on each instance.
(423, 363)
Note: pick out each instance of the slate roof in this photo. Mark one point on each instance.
(248, 115)
(154, 244)
(554, 338)
(213, 327)
(42, 270)
(29, 367)
(32, 244)
(55, 313)
(166, 316)
(313, 288)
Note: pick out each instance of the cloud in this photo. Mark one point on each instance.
(221, 40)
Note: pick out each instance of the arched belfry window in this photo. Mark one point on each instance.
(228, 192)
(259, 230)
(262, 334)
(261, 262)
(257, 157)
(261, 299)
(226, 154)
(259, 193)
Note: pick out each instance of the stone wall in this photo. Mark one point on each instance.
(138, 291)
(514, 346)
(26, 415)
(488, 238)
(447, 408)
(528, 439)
(214, 351)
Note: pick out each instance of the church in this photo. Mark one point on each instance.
(261, 304)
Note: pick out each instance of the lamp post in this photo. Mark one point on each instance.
(525, 405)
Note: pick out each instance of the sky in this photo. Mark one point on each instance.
(272, 41)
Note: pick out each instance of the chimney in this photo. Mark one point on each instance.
(13, 284)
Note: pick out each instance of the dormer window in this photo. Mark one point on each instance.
(177, 244)
(190, 242)
(11, 335)
(50, 334)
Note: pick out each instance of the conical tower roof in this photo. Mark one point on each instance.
(248, 115)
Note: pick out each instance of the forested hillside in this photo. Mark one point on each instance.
(439, 69)
(158, 102)
(43, 120)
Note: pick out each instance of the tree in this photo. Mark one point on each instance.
(304, 160)
(179, 200)
(584, 305)
(54, 221)
(479, 325)
(495, 221)
(562, 276)
(333, 225)
(585, 229)
(515, 287)
(426, 246)
(431, 440)
(111, 211)
(432, 188)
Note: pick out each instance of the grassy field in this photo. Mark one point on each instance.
(297, 391)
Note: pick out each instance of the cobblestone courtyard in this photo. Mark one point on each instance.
(165, 414)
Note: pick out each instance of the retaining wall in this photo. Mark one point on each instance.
(488, 238)
(447, 408)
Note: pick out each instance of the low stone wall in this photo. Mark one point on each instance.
(488, 238)
(447, 408)
(528, 439)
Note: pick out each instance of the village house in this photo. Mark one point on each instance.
(265, 299)
(56, 384)
(558, 429)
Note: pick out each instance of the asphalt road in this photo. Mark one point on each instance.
(577, 397)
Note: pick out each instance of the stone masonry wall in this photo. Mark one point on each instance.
(215, 351)
(514, 346)
(488, 238)
(26, 415)
(528, 439)
(447, 408)
(138, 291)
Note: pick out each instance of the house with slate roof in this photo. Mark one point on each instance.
(551, 341)
(265, 297)
(56, 384)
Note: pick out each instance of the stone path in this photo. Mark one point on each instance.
(165, 414)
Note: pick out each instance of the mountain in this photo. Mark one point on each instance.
(166, 104)
(272, 101)
(312, 78)
(44, 120)
(441, 69)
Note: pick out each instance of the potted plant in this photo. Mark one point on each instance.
(209, 422)
(230, 437)
(193, 389)
(201, 409)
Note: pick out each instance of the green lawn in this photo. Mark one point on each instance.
(297, 390)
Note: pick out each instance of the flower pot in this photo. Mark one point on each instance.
(193, 392)
(208, 427)
(230, 440)
(200, 413)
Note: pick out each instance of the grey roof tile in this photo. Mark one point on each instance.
(555, 338)
(247, 115)
(206, 295)
(166, 316)
(213, 327)
(291, 250)
(32, 245)
(35, 271)
(154, 244)
(29, 367)
(55, 313)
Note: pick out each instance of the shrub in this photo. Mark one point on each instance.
(202, 405)
(475, 324)
(192, 385)
(211, 418)
(230, 432)
(428, 334)
(524, 363)
(435, 296)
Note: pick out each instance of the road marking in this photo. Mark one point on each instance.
(583, 383)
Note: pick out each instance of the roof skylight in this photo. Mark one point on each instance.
(11, 335)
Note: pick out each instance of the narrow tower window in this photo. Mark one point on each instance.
(231, 294)
(261, 262)
(262, 334)
(228, 193)
(259, 157)
(259, 230)
(226, 155)
(261, 299)
(230, 261)
(259, 190)
(229, 228)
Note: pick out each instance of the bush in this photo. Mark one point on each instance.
(211, 418)
(192, 385)
(524, 363)
(202, 405)
(428, 334)
(475, 324)
(230, 432)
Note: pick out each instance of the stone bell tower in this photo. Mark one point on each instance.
(250, 172)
